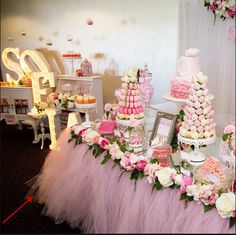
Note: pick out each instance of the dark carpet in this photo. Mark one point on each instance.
(20, 161)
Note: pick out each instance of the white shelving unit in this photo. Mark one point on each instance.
(95, 82)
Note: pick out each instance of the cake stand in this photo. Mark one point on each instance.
(173, 99)
(85, 108)
(196, 157)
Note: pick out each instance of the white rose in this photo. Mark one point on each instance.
(90, 135)
(178, 179)
(201, 77)
(134, 158)
(119, 154)
(225, 204)
(125, 79)
(70, 105)
(133, 79)
(164, 176)
(192, 52)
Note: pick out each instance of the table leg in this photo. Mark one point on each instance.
(42, 132)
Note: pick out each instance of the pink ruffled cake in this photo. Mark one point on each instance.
(198, 115)
(130, 98)
(187, 66)
(211, 166)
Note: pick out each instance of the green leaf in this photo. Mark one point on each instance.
(183, 196)
(158, 185)
(153, 161)
(123, 149)
(117, 161)
(69, 140)
(225, 137)
(105, 159)
(232, 221)
(141, 174)
(208, 207)
(134, 175)
(181, 112)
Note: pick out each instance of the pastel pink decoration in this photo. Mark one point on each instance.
(131, 98)
(122, 97)
(205, 92)
(194, 117)
(197, 105)
(188, 115)
(135, 104)
(200, 129)
(125, 111)
(207, 128)
(124, 85)
(129, 111)
(196, 86)
(133, 92)
(197, 123)
(193, 128)
(199, 93)
(204, 104)
(190, 122)
(201, 117)
(186, 126)
(210, 114)
(131, 105)
(201, 99)
(199, 111)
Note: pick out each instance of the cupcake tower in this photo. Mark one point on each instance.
(198, 119)
(130, 99)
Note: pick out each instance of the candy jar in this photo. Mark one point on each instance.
(136, 138)
(162, 152)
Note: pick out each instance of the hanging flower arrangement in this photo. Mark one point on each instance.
(222, 8)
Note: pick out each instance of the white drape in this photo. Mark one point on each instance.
(217, 53)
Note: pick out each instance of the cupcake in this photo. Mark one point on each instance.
(86, 100)
(80, 99)
(91, 99)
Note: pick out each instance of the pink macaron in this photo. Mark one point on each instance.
(201, 117)
(199, 93)
(197, 123)
(125, 111)
(194, 116)
(201, 99)
(129, 111)
(124, 85)
(200, 129)
(196, 86)
(197, 105)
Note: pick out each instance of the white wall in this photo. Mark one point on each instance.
(126, 32)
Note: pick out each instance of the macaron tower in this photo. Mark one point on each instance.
(130, 104)
(198, 119)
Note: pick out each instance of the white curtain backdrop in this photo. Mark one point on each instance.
(217, 53)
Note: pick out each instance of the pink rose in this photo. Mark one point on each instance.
(187, 180)
(232, 8)
(212, 198)
(95, 139)
(81, 132)
(140, 165)
(231, 13)
(108, 107)
(103, 143)
(229, 129)
(213, 7)
(234, 213)
(55, 96)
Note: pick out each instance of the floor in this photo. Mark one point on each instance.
(20, 161)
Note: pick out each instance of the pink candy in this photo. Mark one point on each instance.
(199, 111)
(200, 129)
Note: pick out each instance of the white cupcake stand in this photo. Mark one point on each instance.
(196, 157)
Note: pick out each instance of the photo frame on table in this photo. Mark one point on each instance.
(164, 126)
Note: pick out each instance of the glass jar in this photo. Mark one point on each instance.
(162, 152)
(136, 138)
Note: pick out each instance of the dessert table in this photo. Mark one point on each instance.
(76, 188)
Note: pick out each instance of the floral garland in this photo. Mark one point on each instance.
(61, 100)
(222, 8)
(140, 166)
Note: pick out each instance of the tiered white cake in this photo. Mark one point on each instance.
(187, 66)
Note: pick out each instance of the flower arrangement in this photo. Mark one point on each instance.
(222, 8)
(143, 165)
(61, 100)
(110, 111)
(39, 108)
(229, 136)
(131, 75)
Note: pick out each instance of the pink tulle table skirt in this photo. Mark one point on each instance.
(76, 188)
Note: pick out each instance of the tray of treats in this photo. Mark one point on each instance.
(83, 102)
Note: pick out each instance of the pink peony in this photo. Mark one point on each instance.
(95, 139)
(55, 96)
(213, 7)
(187, 180)
(229, 129)
(103, 143)
(212, 198)
(140, 165)
(108, 107)
(231, 13)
